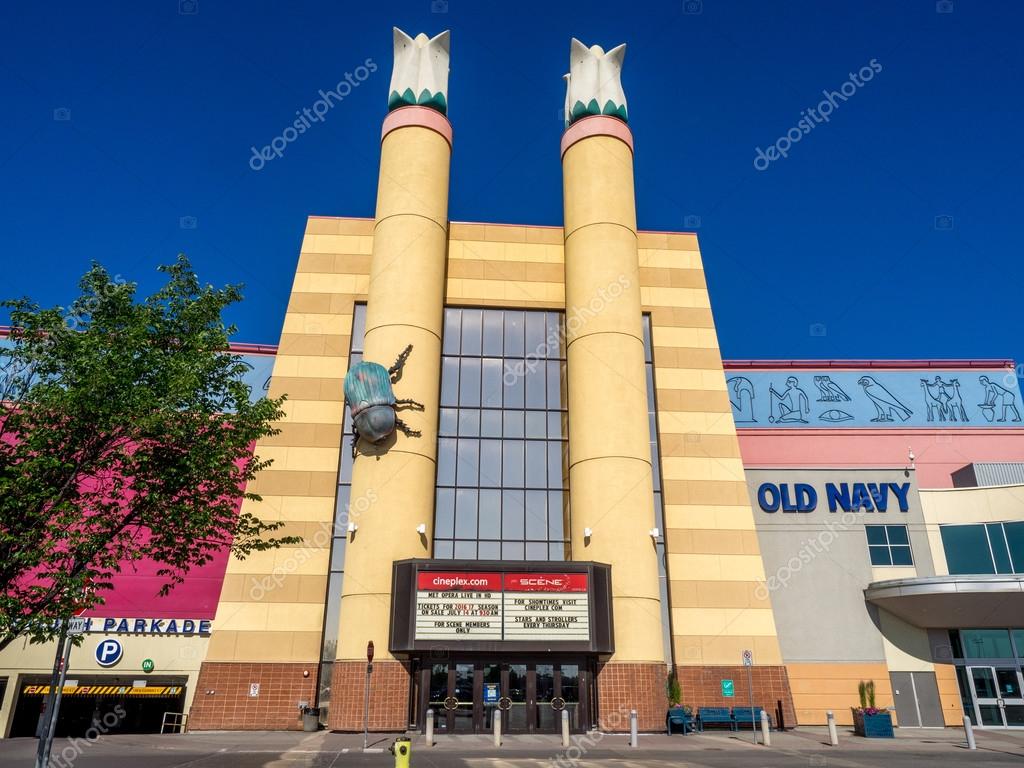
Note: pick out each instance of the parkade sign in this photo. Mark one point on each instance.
(840, 497)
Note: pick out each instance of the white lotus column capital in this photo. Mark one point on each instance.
(594, 82)
(420, 73)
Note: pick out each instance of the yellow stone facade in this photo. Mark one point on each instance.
(714, 564)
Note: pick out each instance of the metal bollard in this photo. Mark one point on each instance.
(969, 730)
(633, 741)
(565, 727)
(766, 731)
(430, 728)
(833, 735)
(497, 728)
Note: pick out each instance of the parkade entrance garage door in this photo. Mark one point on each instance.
(116, 703)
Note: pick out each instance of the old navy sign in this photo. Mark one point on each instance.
(845, 497)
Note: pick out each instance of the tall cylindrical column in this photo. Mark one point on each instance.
(610, 478)
(396, 479)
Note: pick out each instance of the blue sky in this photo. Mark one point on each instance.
(892, 229)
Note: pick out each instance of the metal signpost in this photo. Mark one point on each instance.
(748, 662)
(366, 697)
(70, 629)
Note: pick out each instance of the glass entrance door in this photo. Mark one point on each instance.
(465, 696)
(452, 697)
(535, 695)
(998, 698)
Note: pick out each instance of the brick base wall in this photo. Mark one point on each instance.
(622, 686)
(230, 707)
(389, 696)
(702, 687)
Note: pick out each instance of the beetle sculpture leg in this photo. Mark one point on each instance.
(355, 440)
(410, 401)
(409, 431)
(396, 369)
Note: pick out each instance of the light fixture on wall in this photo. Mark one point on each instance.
(421, 529)
(352, 527)
(655, 533)
(911, 457)
(588, 532)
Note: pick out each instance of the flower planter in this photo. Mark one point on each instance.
(876, 726)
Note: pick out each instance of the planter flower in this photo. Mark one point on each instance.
(868, 720)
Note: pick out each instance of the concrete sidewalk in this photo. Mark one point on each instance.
(722, 749)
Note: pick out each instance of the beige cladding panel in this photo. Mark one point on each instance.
(597, 175)
(607, 398)
(603, 295)
(393, 484)
(408, 273)
(612, 496)
(637, 637)
(414, 167)
(610, 477)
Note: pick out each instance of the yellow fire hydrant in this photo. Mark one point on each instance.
(402, 750)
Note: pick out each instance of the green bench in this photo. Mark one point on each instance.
(715, 716)
(750, 716)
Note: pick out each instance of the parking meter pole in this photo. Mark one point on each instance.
(366, 707)
(430, 727)
(565, 727)
(48, 745)
(833, 734)
(750, 689)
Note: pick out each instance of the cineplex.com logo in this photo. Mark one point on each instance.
(315, 113)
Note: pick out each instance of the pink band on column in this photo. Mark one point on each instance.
(424, 117)
(596, 125)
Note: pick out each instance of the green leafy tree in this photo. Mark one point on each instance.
(126, 435)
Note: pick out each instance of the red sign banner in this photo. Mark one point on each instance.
(445, 581)
(545, 582)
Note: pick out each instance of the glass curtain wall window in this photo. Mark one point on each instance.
(502, 445)
(329, 646)
(659, 509)
(984, 548)
(889, 545)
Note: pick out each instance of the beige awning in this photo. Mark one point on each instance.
(947, 602)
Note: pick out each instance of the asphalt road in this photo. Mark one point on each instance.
(268, 750)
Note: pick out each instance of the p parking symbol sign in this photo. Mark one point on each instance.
(108, 652)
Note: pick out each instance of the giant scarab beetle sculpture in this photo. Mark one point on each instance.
(372, 403)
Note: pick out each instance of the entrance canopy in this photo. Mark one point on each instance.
(941, 602)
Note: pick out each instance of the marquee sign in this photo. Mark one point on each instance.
(439, 604)
(496, 606)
